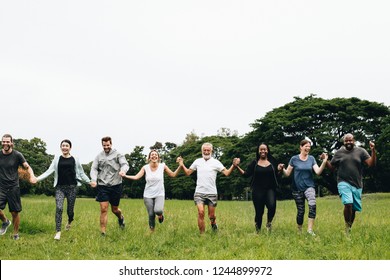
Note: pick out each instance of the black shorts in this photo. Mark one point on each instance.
(111, 194)
(12, 197)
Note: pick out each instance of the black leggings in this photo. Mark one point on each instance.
(263, 198)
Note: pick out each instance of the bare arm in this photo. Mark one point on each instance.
(33, 179)
(187, 171)
(240, 170)
(227, 172)
(287, 172)
(170, 172)
(235, 163)
(371, 161)
(330, 166)
(318, 170)
(137, 176)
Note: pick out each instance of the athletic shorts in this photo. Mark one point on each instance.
(111, 194)
(206, 199)
(12, 197)
(350, 195)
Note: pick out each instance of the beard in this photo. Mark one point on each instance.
(349, 146)
(7, 147)
(206, 157)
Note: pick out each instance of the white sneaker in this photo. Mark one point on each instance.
(311, 232)
(57, 236)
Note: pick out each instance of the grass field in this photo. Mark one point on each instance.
(178, 238)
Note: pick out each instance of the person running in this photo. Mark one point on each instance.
(106, 174)
(10, 160)
(207, 168)
(264, 173)
(154, 192)
(68, 175)
(303, 166)
(349, 161)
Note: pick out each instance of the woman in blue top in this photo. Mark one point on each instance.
(303, 166)
(68, 174)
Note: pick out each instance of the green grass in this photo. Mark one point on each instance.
(178, 238)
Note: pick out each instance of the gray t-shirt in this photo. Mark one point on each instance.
(350, 165)
(9, 164)
(105, 168)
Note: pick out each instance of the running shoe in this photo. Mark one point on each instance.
(121, 222)
(4, 227)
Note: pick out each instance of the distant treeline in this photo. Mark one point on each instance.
(323, 121)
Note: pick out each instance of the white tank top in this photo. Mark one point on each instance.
(154, 181)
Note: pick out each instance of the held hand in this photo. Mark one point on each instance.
(33, 180)
(122, 173)
(236, 161)
(372, 145)
(179, 160)
(324, 156)
(93, 184)
(280, 166)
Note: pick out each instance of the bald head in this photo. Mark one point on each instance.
(349, 141)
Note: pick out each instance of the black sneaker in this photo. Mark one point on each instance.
(161, 219)
(269, 227)
(4, 227)
(121, 222)
(214, 227)
(103, 234)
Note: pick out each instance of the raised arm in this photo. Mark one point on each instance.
(227, 172)
(371, 161)
(318, 170)
(187, 171)
(172, 173)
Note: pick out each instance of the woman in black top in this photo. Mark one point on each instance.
(264, 171)
(68, 174)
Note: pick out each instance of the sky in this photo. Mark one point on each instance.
(147, 71)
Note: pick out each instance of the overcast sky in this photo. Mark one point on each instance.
(147, 71)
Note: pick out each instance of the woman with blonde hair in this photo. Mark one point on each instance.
(154, 193)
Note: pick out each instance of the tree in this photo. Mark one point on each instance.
(324, 122)
(383, 161)
(136, 159)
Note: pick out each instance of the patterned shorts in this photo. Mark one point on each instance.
(206, 199)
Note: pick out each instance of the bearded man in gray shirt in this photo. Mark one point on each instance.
(106, 174)
(349, 161)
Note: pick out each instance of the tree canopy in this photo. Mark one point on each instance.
(324, 122)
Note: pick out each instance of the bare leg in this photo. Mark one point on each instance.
(15, 221)
(103, 216)
(201, 224)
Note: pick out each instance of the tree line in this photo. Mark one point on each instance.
(323, 121)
